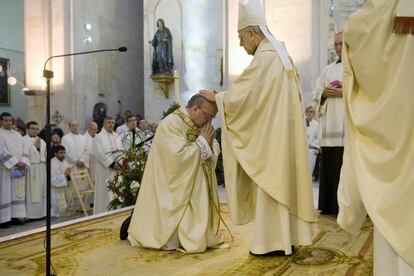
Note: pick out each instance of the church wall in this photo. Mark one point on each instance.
(112, 76)
(197, 30)
(82, 81)
(12, 48)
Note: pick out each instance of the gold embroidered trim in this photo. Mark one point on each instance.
(193, 131)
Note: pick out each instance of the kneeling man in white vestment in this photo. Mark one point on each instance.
(177, 205)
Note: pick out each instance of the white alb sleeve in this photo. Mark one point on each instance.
(205, 149)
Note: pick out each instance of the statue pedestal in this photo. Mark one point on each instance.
(164, 81)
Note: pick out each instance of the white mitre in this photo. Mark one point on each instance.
(251, 14)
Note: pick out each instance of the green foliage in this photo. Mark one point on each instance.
(128, 176)
(171, 109)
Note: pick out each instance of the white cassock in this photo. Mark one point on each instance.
(12, 189)
(121, 129)
(77, 149)
(103, 148)
(76, 146)
(59, 184)
(312, 131)
(124, 139)
(330, 112)
(36, 179)
(92, 162)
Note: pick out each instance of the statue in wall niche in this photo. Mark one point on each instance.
(99, 113)
(162, 62)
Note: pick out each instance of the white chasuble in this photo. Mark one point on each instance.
(177, 205)
(377, 176)
(264, 141)
(263, 121)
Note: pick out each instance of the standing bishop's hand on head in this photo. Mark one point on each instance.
(209, 95)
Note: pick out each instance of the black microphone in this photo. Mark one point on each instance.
(120, 49)
(146, 140)
(48, 74)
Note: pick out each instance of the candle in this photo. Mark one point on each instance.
(177, 87)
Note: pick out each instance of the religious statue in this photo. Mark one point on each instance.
(162, 62)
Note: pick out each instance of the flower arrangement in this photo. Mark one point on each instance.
(129, 171)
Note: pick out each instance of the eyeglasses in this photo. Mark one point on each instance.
(208, 116)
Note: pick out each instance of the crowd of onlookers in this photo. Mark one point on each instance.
(23, 163)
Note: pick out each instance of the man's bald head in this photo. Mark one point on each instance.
(339, 37)
(74, 126)
(92, 128)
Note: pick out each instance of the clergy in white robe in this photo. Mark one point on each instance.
(77, 151)
(14, 161)
(312, 132)
(177, 206)
(90, 138)
(263, 121)
(124, 139)
(60, 170)
(76, 145)
(36, 182)
(377, 176)
(106, 151)
(330, 111)
(121, 128)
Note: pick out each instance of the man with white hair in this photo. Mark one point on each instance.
(262, 118)
(377, 176)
